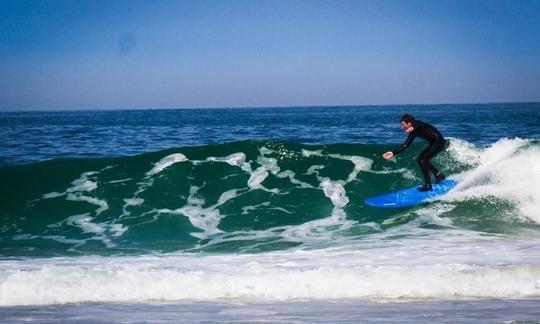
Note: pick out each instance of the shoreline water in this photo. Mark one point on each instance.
(326, 311)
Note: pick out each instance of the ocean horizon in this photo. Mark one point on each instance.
(367, 105)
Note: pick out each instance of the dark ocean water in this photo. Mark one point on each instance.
(37, 136)
(265, 205)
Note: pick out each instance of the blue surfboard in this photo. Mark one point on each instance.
(411, 196)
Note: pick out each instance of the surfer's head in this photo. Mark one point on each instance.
(407, 122)
(407, 118)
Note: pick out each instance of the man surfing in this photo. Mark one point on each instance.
(423, 130)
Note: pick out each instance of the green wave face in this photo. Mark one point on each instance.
(238, 197)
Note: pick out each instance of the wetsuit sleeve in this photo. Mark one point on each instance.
(405, 145)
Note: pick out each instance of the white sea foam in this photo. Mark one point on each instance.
(464, 152)
(268, 163)
(148, 181)
(236, 159)
(323, 229)
(78, 186)
(205, 218)
(308, 153)
(84, 221)
(291, 175)
(272, 276)
(208, 218)
(247, 209)
(134, 201)
(268, 166)
(507, 170)
(101, 203)
(83, 183)
(226, 196)
(360, 164)
(53, 195)
(166, 162)
(257, 177)
(335, 191)
(117, 229)
(88, 225)
(314, 169)
(78, 190)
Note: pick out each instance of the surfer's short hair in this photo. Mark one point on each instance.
(407, 119)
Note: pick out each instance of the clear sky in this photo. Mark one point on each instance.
(175, 54)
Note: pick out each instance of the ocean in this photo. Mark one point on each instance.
(258, 215)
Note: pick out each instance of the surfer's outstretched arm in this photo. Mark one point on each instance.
(405, 145)
(390, 154)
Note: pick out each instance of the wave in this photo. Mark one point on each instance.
(253, 196)
(269, 220)
(253, 278)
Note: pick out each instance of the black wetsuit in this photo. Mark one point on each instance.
(436, 145)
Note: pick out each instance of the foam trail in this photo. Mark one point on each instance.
(84, 221)
(206, 219)
(101, 203)
(335, 191)
(134, 201)
(167, 162)
(291, 175)
(257, 177)
(235, 159)
(78, 189)
(267, 166)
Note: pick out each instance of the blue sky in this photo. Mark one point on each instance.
(176, 54)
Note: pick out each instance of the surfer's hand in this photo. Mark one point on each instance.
(388, 155)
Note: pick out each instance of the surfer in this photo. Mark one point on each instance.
(423, 130)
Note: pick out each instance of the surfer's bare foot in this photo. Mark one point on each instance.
(426, 187)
